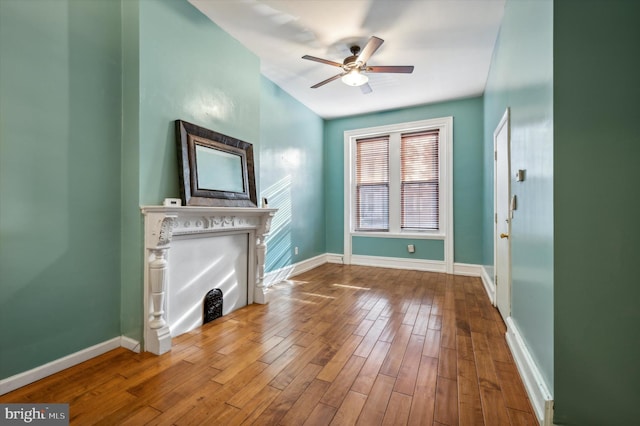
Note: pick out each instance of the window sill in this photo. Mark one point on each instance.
(414, 235)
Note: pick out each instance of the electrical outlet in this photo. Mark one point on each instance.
(295, 251)
(411, 248)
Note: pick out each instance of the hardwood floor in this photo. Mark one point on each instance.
(337, 345)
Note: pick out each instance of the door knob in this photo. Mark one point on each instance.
(504, 235)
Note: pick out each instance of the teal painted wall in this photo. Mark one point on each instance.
(596, 151)
(467, 177)
(521, 78)
(60, 108)
(291, 158)
(397, 247)
(189, 69)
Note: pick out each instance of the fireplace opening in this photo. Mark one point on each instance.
(212, 305)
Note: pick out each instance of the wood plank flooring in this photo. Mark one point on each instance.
(338, 345)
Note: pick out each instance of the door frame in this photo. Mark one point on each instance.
(505, 121)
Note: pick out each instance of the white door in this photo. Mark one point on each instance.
(502, 197)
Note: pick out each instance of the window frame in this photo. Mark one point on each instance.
(445, 152)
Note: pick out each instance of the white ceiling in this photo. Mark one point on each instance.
(450, 43)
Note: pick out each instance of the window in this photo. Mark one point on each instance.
(419, 206)
(372, 184)
(419, 181)
(397, 181)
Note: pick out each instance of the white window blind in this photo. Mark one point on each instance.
(419, 181)
(372, 184)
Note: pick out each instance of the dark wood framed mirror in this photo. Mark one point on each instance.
(215, 169)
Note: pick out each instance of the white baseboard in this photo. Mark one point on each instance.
(335, 258)
(489, 285)
(22, 379)
(129, 343)
(467, 269)
(398, 263)
(282, 274)
(534, 384)
(279, 275)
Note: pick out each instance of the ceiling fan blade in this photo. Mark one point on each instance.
(408, 69)
(329, 80)
(366, 89)
(322, 61)
(369, 49)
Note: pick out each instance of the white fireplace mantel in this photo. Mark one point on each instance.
(161, 224)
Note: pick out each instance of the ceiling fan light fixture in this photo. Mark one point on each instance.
(355, 78)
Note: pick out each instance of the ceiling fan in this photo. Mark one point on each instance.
(354, 67)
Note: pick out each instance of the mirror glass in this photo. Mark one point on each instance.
(218, 170)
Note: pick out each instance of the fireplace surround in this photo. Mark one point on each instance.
(189, 223)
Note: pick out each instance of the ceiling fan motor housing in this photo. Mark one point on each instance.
(350, 62)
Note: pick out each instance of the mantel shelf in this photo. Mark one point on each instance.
(190, 210)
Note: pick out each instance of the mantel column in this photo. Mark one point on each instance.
(159, 240)
(261, 292)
